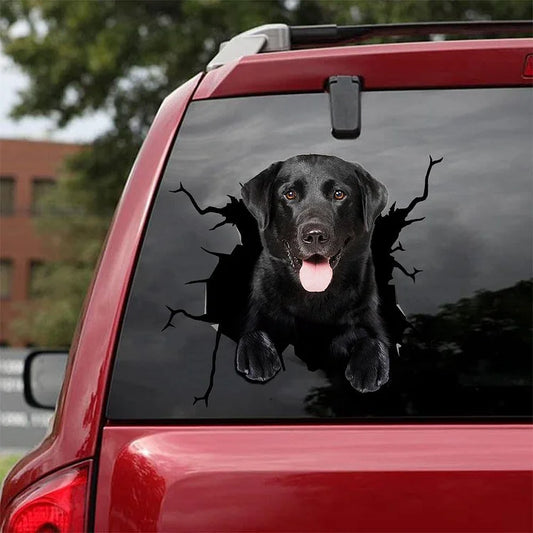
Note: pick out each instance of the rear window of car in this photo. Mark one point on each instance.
(461, 275)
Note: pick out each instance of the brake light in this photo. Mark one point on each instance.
(55, 504)
(528, 66)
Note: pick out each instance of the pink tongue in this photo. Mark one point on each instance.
(315, 275)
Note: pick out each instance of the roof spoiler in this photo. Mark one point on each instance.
(279, 37)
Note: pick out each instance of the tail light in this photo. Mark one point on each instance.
(528, 67)
(55, 504)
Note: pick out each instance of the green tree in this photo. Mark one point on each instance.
(124, 57)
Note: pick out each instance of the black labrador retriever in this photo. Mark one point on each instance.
(313, 285)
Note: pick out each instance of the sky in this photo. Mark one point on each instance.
(13, 80)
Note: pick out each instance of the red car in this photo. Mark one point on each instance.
(183, 411)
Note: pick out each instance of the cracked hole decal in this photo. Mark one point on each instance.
(314, 269)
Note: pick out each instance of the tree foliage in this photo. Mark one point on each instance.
(123, 58)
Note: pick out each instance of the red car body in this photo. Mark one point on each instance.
(299, 477)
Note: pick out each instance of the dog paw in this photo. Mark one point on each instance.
(368, 368)
(257, 357)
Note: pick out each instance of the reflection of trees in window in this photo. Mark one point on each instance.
(35, 287)
(472, 358)
(41, 189)
(488, 335)
(7, 195)
(6, 278)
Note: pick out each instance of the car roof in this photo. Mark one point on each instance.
(416, 65)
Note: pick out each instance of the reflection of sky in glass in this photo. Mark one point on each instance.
(477, 232)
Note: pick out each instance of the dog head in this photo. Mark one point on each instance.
(313, 211)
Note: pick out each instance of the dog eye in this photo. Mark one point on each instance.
(290, 195)
(339, 195)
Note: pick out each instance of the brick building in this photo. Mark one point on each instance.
(28, 170)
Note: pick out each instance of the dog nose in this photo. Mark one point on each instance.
(314, 234)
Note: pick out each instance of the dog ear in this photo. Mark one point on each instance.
(374, 196)
(256, 194)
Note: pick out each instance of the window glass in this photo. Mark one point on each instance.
(41, 188)
(6, 278)
(7, 196)
(456, 261)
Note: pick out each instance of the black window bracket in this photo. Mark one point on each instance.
(345, 106)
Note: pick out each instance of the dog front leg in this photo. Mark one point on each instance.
(257, 357)
(368, 366)
(367, 356)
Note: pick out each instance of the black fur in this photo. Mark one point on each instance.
(339, 327)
